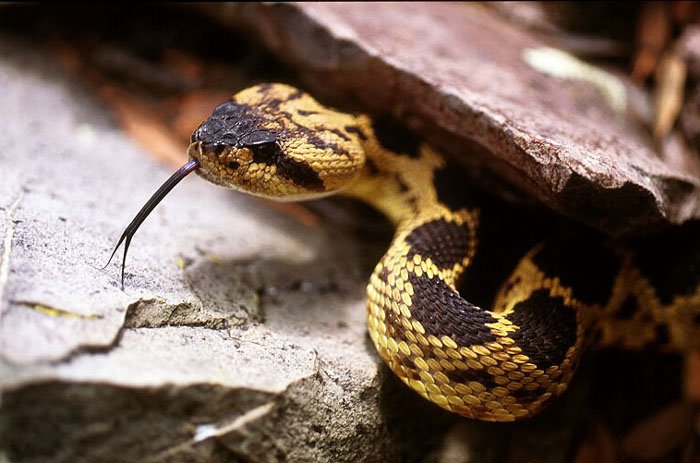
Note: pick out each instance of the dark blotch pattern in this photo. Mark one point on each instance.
(547, 328)
(403, 188)
(585, 265)
(396, 138)
(383, 274)
(464, 376)
(443, 312)
(371, 167)
(312, 136)
(295, 95)
(264, 88)
(356, 130)
(272, 104)
(445, 243)
(525, 396)
(299, 172)
(339, 134)
(394, 327)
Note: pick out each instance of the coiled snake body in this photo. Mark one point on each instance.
(500, 364)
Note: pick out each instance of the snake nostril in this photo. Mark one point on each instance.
(233, 165)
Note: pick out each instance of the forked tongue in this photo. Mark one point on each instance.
(147, 208)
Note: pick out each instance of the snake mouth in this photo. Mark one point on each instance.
(194, 151)
(216, 164)
(190, 166)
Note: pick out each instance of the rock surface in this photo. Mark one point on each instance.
(491, 94)
(240, 334)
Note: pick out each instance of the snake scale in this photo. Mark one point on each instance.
(500, 364)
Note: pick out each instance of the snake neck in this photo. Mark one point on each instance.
(397, 178)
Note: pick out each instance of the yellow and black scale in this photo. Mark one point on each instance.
(497, 364)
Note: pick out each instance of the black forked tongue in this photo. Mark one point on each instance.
(147, 208)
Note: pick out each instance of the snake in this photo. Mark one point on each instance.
(499, 363)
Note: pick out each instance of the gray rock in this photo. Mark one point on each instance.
(239, 336)
(492, 95)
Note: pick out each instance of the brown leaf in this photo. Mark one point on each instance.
(652, 34)
(692, 376)
(685, 11)
(659, 435)
(190, 110)
(145, 126)
(597, 448)
(668, 93)
(187, 66)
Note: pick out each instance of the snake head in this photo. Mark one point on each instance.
(275, 141)
(226, 142)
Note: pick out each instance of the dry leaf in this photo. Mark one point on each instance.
(692, 376)
(668, 93)
(190, 110)
(598, 448)
(145, 126)
(652, 34)
(660, 434)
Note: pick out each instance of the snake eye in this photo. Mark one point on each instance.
(263, 152)
(263, 145)
(216, 148)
